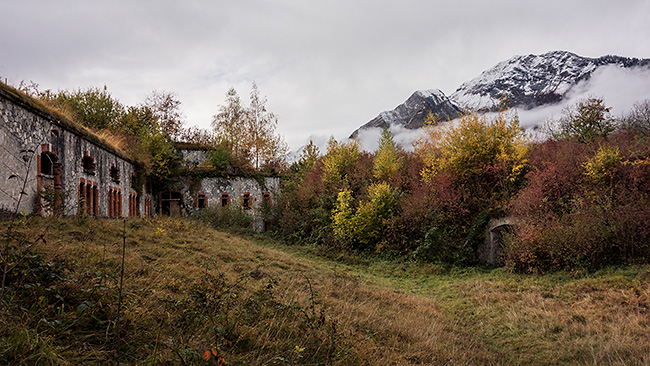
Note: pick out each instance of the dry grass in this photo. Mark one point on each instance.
(383, 313)
(600, 319)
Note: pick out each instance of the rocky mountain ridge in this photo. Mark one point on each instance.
(412, 113)
(523, 82)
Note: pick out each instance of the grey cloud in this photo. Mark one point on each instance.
(327, 67)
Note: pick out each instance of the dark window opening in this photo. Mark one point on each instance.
(133, 182)
(266, 199)
(95, 200)
(171, 203)
(268, 226)
(47, 163)
(88, 164)
(225, 199)
(115, 174)
(201, 201)
(246, 201)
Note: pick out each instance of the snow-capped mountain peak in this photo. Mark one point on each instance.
(414, 111)
(530, 81)
(524, 82)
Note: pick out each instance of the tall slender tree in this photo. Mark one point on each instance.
(250, 131)
(387, 160)
(166, 107)
(229, 124)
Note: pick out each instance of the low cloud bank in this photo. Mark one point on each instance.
(619, 87)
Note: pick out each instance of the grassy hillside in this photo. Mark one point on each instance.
(189, 289)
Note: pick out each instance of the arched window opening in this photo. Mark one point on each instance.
(115, 174)
(266, 199)
(88, 164)
(47, 163)
(225, 199)
(201, 201)
(246, 201)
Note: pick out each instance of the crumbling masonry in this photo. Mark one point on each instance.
(48, 163)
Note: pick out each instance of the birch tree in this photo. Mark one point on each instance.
(250, 131)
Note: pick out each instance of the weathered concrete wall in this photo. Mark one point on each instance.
(26, 133)
(21, 135)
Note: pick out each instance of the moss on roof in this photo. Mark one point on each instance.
(192, 146)
(55, 116)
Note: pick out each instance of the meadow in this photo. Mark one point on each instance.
(191, 292)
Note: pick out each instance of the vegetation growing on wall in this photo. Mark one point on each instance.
(148, 132)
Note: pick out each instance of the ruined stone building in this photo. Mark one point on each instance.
(249, 194)
(50, 163)
(47, 155)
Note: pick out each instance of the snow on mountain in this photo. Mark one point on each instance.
(531, 81)
(412, 113)
(537, 86)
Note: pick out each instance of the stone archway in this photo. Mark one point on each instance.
(49, 199)
(489, 252)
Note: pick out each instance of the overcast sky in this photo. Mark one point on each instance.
(327, 67)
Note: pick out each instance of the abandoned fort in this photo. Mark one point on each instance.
(51, 165)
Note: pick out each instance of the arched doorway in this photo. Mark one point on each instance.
(49, 199)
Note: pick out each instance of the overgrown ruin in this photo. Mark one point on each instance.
(53, 165)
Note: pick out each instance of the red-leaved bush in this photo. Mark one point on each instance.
(571, 219)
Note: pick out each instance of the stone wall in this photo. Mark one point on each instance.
(193, 157)
(247, 194)
(21, 135)
(41, 150)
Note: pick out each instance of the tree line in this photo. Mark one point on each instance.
(242, 140)
(580, 197)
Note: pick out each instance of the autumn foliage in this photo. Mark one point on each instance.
(584, 206)
(579, 199)
(387, 201)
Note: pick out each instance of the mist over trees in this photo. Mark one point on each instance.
(580, 198)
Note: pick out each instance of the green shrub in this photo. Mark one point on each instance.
(220, 159)
(225, 217)
(441, 245)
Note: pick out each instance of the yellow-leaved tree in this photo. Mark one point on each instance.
(479, 151)
(387, 160)
(603, 167)
(342, 216)
(367, 226)
(339, 161)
